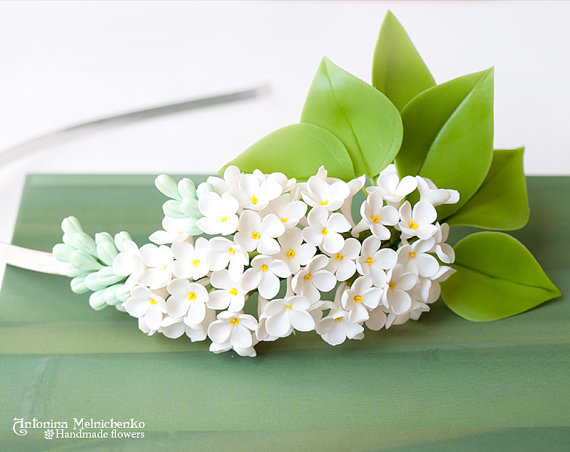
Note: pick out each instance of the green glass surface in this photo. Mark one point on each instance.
(442, 383)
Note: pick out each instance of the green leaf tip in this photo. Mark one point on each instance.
(365, 120)
(496, 277)
(297, 151)
(398, 70)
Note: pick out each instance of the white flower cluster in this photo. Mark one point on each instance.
(289, 242)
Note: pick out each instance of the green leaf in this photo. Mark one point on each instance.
(297, 151)
(496, 277)
(398, 69)
(501, 202)
(448, 135)
(362, 117)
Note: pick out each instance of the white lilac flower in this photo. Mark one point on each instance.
(264, 275)
(230, 182)
(336, 327)
(255, 194)
(224, 252)
(282, 316)
(314, 278)
(174, 327)
(129, 263)
(173, 231)
(443, 250)
(233, 330)
(343, 263)
(191, 260)
(257, 234)
(376, 216)
(230, 294)
(354, 186)
(294, 252)
(419, 221)
(391, 188)
(219, 213)
(361, 297)
(287, 210)
(318, 192)
(373, 260)
(148, 307)
(324, 231)
(433, 195)
(415, 258)
(261, 334)
(187, 300)
(396, 297)
(158, 261)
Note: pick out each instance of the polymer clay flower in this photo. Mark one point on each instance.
(257, 234)
(254, 193)
(314, 278)
(230, 182)
(336, 327)
(373, 260)
(129, 263)
(343, 263)
(324, 230)
(318, 192)
(233, 330)
(174, 327)
(435, 196)
(224, 252)
(376, 318)
(419, 221)
(230, 294)
(158, 261)
(391, 188)
(361, 297)
(187, 300)
(264, 275)
(219, 213)
(173, 231)
(294, 252)
(287, 210)
(354, 187)
(148, 307)
(398, 282)
(282, 316)
(444, 251)
(415, 258)
(191, 260)
(376, 216)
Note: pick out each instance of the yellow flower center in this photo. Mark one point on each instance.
(324, 203)
(391, 285)
(324, 231)
(181, 232)
(291, 253)
(192, 296)
(234, 321)
(195, 262)
(153, 301)
(412, 225)
(412, 255)
(284, 220)
(165, 267)
(263, 268)
(224, 219)
(375, 218)
(233, 291)
(369, 261)
(255, 235)
(307, 276)
(338, 319)
(357, 298)
(338, 256)
(288, 306)
(254, 200)
(231, 251)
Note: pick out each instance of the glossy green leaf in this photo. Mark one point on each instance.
(496, 277)
(448, 135)
(501, 202)
(297, 151)
(360, 116)
(398, 69)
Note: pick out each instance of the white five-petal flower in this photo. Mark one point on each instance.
(233, 330)
(391, 188)
(373, 260)
(376, 216)
(324, 230)
(148, 307)
(173, 231)
(219, 213)
(318, 192)
(264, 275)
(187, 300)
(419, 221)
(360, 298)
(282, 316)
(314, 278)
(191, 260)
(294, 252)
(396, 297)
(230, 294)
(433, 195)
(224, 252)
(158, 261)
(255, 193)
(343, 263)
(415, 258)
(336, 327)
(287, 210)
(257, 234)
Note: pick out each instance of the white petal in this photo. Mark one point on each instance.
(332, 242)
(278, 325)
(136, 307)
(323, 280)
(427, 265)
(386, 258)
(407, 185)
(241, 337)
(177, 306)
(376, 319)
(178, 287)
(219, 299)
(269, 285)
(219, 331)
(337, 222)
(197, 312)
(153, 317)
(399, 301)
(251, 279)
(302, 321)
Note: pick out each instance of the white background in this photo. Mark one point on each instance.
(64, 63)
